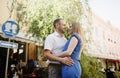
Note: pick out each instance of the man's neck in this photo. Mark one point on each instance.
(61, 34)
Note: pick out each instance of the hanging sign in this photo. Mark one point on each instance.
(10, 28)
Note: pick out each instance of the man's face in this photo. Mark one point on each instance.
(62, 26)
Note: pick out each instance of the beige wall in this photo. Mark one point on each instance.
(4, 11)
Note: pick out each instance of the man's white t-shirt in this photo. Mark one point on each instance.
(55, 43)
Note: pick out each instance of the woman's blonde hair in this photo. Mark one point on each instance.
(78, 29)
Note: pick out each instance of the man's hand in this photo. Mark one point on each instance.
(67, 61)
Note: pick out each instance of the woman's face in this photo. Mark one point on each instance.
(70, 30)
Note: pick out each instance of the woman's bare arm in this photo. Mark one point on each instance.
(71, 47)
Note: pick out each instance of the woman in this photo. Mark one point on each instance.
(73, 49)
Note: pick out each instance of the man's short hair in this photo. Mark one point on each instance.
(56, 21)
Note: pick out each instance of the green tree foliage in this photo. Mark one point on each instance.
(41, 13)
(90, 67)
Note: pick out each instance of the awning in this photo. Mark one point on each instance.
(24, 37)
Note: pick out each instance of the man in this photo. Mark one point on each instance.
(54, 44)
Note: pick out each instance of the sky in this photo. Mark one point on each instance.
(108, 10)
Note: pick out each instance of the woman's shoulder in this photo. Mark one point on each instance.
(76, 35)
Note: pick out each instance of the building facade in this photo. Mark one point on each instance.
(105, 40)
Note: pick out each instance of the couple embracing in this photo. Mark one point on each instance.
(62, 54)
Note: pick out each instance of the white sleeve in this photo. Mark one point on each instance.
(48, 43)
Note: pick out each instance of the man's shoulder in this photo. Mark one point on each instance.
(51, 35)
